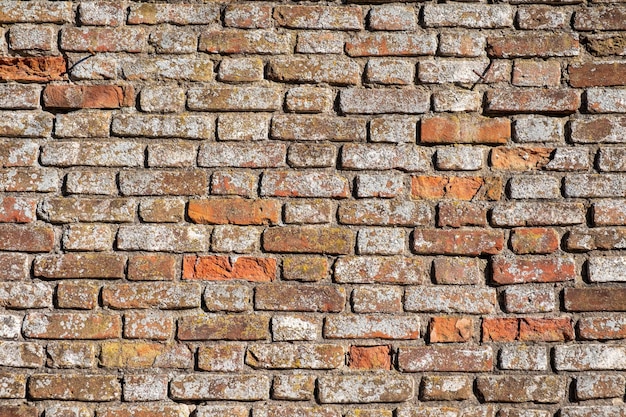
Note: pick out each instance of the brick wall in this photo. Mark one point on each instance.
(366, 209)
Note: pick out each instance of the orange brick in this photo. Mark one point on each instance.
(234, 211)
(370, 357)
(222, 268)
(450, 329)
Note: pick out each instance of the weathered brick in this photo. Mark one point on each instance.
(594, 299)
(537, 214)
(461, 213)
(404, 157)
(29, 180)
(155, 126)
(364, 389)
(320, 42)
(445, 359)
(26, 238)
(25, 124)
(242, 155)
(18, 411)
(164, 238)
(461, 188)
(311, 155)
(94, 182)
(80, 265)
(249, 15)
(233, 41)
(21, 354)
(588, 411)
(220, 268)
(537, 17)
(234, 99)
(517, 389)
(144, 388)
(611, 160)
(458, 271)
(605, 100)
(443, 70)
(376, 101)
(370, 357)
(369, 269)
(363, 326)
(220, 387)
(145, 182)
(32, 69)
(308, 239)
(292, 387)
(528, 73)
(304, 184)
(178, 14)
(385, 213)
(596, 74)
(589, 387)
(530, 100)
(315, 69)
(234, 211)
(11, 326)
(197, 68)
(305, 268)
(523, 299)
(526, 45)
(17, 210)
(76, 153)
(288, 356)
(445, 388)
(296, 127)
(162, 210)
(72, 326)
(468, 15)
(538, 269)
(392, 130)
(153, 325)
(300, 297)
(81, 295)
(392, 44)
(534, 128)
(164, 296)
(392, 17)
(603, 239)
(389, 71)
(145, 355)
(606, 44)
(122, 39)
(536, 240)
(162, 99)
(589, 357)
(380, 241)
(234, 183)
(464, 129)
(216, 327)
(457, 242)
(600, 18)
(309, 99)
(446, 329)
(174, 40)
(220, 410)
(379, 185)
(18, 154)
(316, 211)
(101, 14)
(88, 96)
(69, 355)
(12, 385)
(74, 387)
(319, 17)
(461, 44)
(82, 124)
(241, 70)
(594, 185)
(608, 212)
(446, 299)
(71, 210)
(523, 358)
(235, 239)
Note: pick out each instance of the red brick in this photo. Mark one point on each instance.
(535, 240)
(80, 296)
(458, 271)
(539, 269)
(370, 357)
(597, 74)
(222, 327)
(447, 329)
(14, 266)
(152, 267)
(35, 69)
(536, 74)
(300, 297)
(595, 299)
(465, 129)
(80, 265)
(602, 328)
(461, 188)
(234, 211)
(308, 239)
(533, 100)
(17, 210)
(23, 238)
(457, 242)
(546, 329)
(533, 44)
(223, 268)
(392, 44)
(500, 329)
(88, 96)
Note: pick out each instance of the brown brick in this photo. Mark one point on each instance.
(14, 266)
(446, 329)
(70, 210)
(536, 240)
(600, 18)
(223, 268)
(370, 269)
(296, 127)
(88, 96)
(533, 44)
(458, 271)
(546, 329)
(243, 184)
(358, 388)
(145, 355)
(18, 154)
(13, 385)
(528, 73)
(392, 44)
(308, 239)
(74, 387)
(163, 296)
(85, 39)
(17, 210)
(234, 211)
(462, 213)
(538, 269)
(18, 411)
(232, 41)
(331, 69)
(289, 356)
(300, 297)
(445, 359)
(292, 387)
(21, 354)
(234, 99)
(319, 17)
(464, 129)
(72, 326)
(32, 69)
(305, 268)
(445, 388)
(67, 355)
(220, 387)
(143, 410)
(597, 74)
(81, 296)
(543, 17)
(26, 238)
(221, 358)
(148, 324)
(84, 265)
(221, 327)
(385, 213)
(155, 182)
(517, 389)
(606, 44)
(370, 357)
(595, 299)
(248, 16)
(457, 242)
(533, 100)
(375, 101)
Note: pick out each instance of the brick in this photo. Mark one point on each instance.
(18, 411)
(526, 45)
(288, 356)
(522, 299)
(392, 44)
(523, 357)
(174, 40)
(216, 327)
(344, 389)
(600, 18)
(296, 127)
(589, 387)
(19, 96)
(220, 268)
(315, 69)
(242, 155)
(295, 327)
(70, 210)
(546, 330)
(308, 239)
(535, 240)
(144, 410)
(81, 296)
(534, 186)
(86, 153)
(596, 74)
(21, 354)
(389, 71)
(162, 99)
(152, 325)
(299, 297)
(369, 357)
(528, 73)
(376, 101)
(461, 44)
(236, 239)
(86, 39)
(234, 99)
(234, 211)
(445, 388)
(197, 68)
(33, 180)
(164, 296)
(588, 411)
(248, 16)
(94, 182)
(447, 299)
(241, 70)
(233, 41)
(370, 269)
(458, 271)
(315, 211)
(60, 409)
(11, 326)
(447, 329)
(227, 297)
(17, 210)
(69, 355)
(72, 326)
(534, 128)
(380, 241)
(461, 213)
(608, 213)
(88, 96)
(82, 124)
(162, 210)
(611, 160)
(304, 184)
(234, 183)
(145, 387)
(305, 268)
(244, 127)
(445, 359)
(179, 14)
(464, 129)
(589, 357)
(606, 44)
(362, 326)
(605, 100)
(60, 12)
(32, 69)
(152, 267)
(537, 17)
(25, 124)
(606, 269)
(320, 42)
(307, 99)
(385, 213)
(569, 159)
(295, 410)
(403, 157)
(528, 100)
(461, 188)
(26, 238)
(293, 387)
(392, 17)
(520, 158)
(18, 154)
(541, 389)
(155, 126)
(311, 156)
(392, 130)
(594, 185)
(13, 385)
(537, 214)
(525, 270)
(221, 358)
(443, 70)
(457, 242)
(380, 185)
(220, 387)
(604, 239)
(98, 67)
(594, 299)
(377, 299)
(155, 182)
(461, 158)
(319, 17)
(163, 238)
(74, 387)
(80, 265)
(145, 355)
(101, 14)
(476, 16)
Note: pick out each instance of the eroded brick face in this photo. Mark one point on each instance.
(369, 208)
